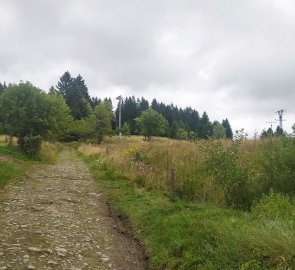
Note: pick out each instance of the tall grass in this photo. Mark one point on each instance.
(186, 233)
(228, 173)
(49, 152)
(14, 163)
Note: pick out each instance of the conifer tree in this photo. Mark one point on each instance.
(75, 92)
(228, 130)
(2, 87)
(65, 84)
(205, 129)
(143, 105)
(279, 131)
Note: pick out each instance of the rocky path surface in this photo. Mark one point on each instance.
(56, 219)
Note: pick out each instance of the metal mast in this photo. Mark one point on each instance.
(120, 112)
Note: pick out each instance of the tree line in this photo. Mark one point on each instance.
(67, 113)
(182, 123)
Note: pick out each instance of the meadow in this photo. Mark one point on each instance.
(227, 173)
(209, 204)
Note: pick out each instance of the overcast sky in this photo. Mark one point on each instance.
(230, 58)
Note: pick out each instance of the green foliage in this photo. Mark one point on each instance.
(52, 91)
(187, 118)
(205, 130)
(2, 87)
(228, 130)
(60, 120)
(27, 112)
(83, 129)
(192, 136)
(24, 110)
(30, 145)
(150, 123)
(274, 206)
(95, 126)
(181, 134)
(130, 110)
(219, 132)
(75, 92)
(65, 83)
(103, 115)
(125, 130)
(80, 108)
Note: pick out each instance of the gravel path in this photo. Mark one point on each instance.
(56, 219)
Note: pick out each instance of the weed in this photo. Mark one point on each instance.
(274, 206)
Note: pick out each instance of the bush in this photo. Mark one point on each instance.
(181, 134)
(30, 145)
(273, 206)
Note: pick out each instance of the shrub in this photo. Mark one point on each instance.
(181, 134)
(273, 206)
(30, 145)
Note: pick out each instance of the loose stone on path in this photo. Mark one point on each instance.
(56, 219)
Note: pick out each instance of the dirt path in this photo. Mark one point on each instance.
(56, 219)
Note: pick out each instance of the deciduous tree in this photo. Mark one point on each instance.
(218, 131)
(103, 117)
(151, 123)
(32, 115)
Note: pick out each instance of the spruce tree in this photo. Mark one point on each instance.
(75, 92)
(228, 130)
(142, 105)
(65, 84)
(79, 84)
(205, 129)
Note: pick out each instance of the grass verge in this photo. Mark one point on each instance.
(183, 235)
(14, 164)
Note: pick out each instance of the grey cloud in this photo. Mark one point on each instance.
(230, 58)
